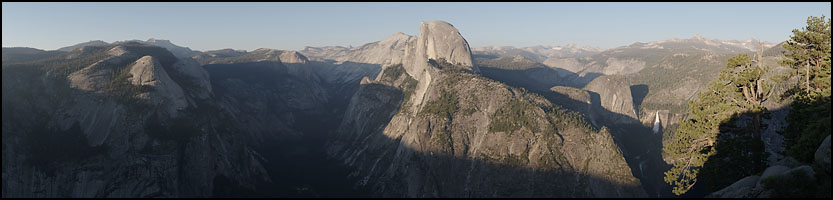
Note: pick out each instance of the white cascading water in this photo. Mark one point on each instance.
(656, 123)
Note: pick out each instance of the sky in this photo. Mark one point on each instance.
(292, 26)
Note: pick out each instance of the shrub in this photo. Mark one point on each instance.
(512, 116)
(795, 184)
(445, 106)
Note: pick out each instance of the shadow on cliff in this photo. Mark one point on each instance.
(297, 166)
(642, 147)
(538, 78)
(300, 168)
(440, 174)
(638, 93)
(737, 150)
(446, 174)
(341, 88)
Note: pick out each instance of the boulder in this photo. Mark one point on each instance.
(823, 155)
(774, 171)
(741, 189)
(752, 186)
(806, 169)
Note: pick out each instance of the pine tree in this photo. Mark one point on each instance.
(739, 89)
(809, 49)
(808, 53)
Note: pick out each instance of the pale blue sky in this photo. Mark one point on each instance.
(211, 26)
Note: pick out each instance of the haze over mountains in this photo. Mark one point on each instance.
(407, 116)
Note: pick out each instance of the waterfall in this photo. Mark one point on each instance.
(656, 123)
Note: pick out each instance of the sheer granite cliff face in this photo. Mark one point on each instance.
(615, 96)
(125, 120)
(347, 66)
(147, 71)
(433, 127)
(437, 40)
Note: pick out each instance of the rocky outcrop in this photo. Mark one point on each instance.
(615, 96)
(103, 144)
(377, 100)
(194, 76)
(770, 183)
(822, 156)
(147, 71)
(578, 100)
(292, 57)
(386, 52)
(753, 186)
(623, 66)
(298, 65)
(93, 77)
(347, 66)
(421, 131)
(262, 54)
(403, 152)
(436, 40)
(573, 65)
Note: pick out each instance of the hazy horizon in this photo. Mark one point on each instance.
(292, 26)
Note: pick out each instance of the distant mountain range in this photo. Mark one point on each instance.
(541, 53)
(176, 50)
(537, 53)
(701, 43)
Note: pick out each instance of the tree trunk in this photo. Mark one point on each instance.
(818, 63)
(745, 93)
(759, 147)
(749, 98)
(808, 77)
(759, 92)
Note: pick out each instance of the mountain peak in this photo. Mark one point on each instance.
(263, 50)
(178, 51)
(293, 57)
(154, 40)
(84, 44)
(396, 38)
(442, 40)
(697, 36)
(437, 23)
